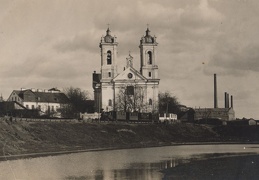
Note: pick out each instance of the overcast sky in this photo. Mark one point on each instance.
(55, 43)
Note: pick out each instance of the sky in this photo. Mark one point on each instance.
(55, 43)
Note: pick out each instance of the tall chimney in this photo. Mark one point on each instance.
(215, 92)
(226, 94)
(227, 100)
(231, 101)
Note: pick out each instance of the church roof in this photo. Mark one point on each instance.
(148, 38)
(108, 38)
(130, 74)
(50, 97)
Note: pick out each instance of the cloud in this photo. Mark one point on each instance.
(85, 41)
(231, 59)
(55, 43)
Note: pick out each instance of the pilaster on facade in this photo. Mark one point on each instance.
(148, 66)
(108, 46)
(129, 83)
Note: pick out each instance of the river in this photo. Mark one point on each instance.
(135, 164)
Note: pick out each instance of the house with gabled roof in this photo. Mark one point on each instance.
(46, 101)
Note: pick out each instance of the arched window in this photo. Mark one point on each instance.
(110, 102)
(109, 57)
(150, 101)
(149, 53)
(149, 74)
(130, 90)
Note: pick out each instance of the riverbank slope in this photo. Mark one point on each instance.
(40, 137)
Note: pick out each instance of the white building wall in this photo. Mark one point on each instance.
(15, 97)
(43, 106)
(107, 94)
(146, 68)
(152, 93)
(149, 82)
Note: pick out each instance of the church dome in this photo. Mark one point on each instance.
(148, 38)
(108, 38)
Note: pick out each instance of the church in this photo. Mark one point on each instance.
(129, 90)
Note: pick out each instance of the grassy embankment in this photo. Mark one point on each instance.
(40, 137)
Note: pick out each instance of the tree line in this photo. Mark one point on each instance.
(79, 102)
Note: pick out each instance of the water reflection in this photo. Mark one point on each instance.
(143, 163)
(133, 171)
(169, 164)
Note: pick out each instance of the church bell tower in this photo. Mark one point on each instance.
(148, 45)
(108, 47)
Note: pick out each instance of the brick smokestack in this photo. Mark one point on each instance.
(226, 99)
(215, 92)
(231, 101)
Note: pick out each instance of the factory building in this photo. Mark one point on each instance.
(226, 113)
(214, 113)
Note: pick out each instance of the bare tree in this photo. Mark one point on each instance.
(130, 98)
(168, 103)
(78, 102)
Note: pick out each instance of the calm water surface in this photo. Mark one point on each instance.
(135, 164)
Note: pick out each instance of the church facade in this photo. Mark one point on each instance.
(129, 90)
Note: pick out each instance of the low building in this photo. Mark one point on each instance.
(167, 117)
(186, 116)
(48, 102)
(227, 114)
(15, 109)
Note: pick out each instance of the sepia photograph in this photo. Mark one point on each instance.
(129, 90)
